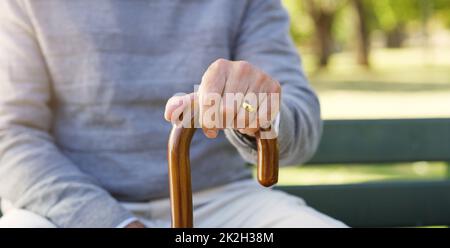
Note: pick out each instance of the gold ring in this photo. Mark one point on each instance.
(248, 107)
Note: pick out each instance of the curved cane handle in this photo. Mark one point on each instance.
(180, 172)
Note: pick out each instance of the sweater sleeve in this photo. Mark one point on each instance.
(34, 174)
(264, 41)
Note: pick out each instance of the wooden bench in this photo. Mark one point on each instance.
(383, 204)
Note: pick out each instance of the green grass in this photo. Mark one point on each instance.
(362, 173)
(340, 174)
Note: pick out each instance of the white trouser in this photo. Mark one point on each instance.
(239, 204)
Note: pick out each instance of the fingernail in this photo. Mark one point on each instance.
(211, 133)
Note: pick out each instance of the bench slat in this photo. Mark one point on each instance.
(378, 141)
(381, 204)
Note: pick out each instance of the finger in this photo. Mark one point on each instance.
(210, 94)
(273, 101)
(254, 118)
(264, 120)
(240, 76)
(172, 104)
(259, 86)
(178, 106)
(269, 104)
(264, 86)
(244, 117)
(266, 113)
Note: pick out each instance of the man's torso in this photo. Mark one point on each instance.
(113, 65)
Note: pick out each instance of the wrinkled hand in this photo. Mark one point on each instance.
(226, 88)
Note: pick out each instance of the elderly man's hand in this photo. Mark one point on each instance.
(232, 94)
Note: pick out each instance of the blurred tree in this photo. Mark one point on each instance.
(302, 27)
(323, 13)
(329, 26)
(392, 16)
(441, 9)
(362, 31)
(426, 8)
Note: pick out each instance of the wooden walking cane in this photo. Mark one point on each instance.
(180, 174)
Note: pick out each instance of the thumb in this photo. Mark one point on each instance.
(177, 105)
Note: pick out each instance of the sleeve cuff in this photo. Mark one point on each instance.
(251, 141)
(245, 144)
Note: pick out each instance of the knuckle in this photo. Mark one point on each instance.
(244, 68)
(220, 64)
(276, 87)
(215, 71)
(261, 78)
(175, 100)
(264, 77)
(172, 100)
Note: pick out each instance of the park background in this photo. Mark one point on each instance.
(373, 59)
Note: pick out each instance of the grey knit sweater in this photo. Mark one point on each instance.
(83, 86)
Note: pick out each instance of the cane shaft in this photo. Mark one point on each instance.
(180, 173)
(180, 177)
